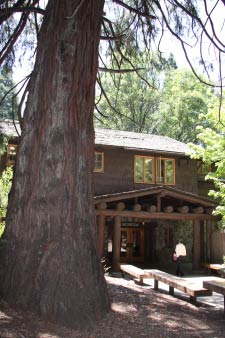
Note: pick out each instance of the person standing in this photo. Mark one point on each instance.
(181, 253)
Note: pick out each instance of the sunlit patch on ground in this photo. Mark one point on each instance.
(123, 308)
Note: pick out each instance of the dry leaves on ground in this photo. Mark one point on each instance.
(136, 312)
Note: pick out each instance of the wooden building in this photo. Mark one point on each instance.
(147, 196)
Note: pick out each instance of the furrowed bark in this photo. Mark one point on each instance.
(51, 262)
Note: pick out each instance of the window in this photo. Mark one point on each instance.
(11, 154)
(144, 169)
(99, 162)
(203, 168)
(152, 170)
(165, 170)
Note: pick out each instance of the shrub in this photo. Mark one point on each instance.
(5, 186)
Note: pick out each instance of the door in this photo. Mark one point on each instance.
(132, 245)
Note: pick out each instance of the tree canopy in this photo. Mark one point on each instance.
(211, 152)
(127, 25)
(183, 100)
(130, 100)
(52, 252)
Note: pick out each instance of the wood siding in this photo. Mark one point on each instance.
(217, 246)
(118, 173)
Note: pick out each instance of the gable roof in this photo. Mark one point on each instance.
(118, 138)
(164, 191)
(140, 141)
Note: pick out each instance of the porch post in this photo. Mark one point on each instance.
(101, 234)
(116, 244)
(208, 241)
(196, 245)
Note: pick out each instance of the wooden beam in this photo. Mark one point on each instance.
(183, 210)
(185, 196)
(136, 207)
(120, 206)
(151, 208)
(198, 210)
(155, 215)
(101, 234)
(196, 245)
(208, 240)
(116, 244)
(158, 205)
(101, 206)
(168, 209)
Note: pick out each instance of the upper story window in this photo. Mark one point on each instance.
(154, 170)
(99, 162)
(11, 154)
(203, 168)
(165, 170)
(144, 169)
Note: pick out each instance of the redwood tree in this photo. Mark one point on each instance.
(51, 265)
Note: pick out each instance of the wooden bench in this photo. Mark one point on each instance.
(216, 285)
(190, 288)
(212, 267)
(134, 271)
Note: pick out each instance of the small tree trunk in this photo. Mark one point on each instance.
(51, 262)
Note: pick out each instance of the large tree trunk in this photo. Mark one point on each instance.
(51, 258)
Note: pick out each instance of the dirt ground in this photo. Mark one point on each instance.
(136, 312)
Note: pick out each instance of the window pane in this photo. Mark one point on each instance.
(160, 176)
(98, 162)
(11, 154)
(139, 175)
(169, 171)
(148, 170)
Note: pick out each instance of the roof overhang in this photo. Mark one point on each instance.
(182, 205)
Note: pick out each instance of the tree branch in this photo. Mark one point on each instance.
(131, 9)
(108, 70)
(13, 10)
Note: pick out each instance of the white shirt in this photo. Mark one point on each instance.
(180, 250)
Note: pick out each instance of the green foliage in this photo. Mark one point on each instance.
(184, 98)
(5, 186)
(3, 143)
(211, 151)
(8, 102)
(131, 99)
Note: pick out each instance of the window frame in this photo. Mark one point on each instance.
(143, 169)
(101, 170)
(154, 170)
(203, 169)
(173, 169)
(8, 161)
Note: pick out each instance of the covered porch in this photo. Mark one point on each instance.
(142, 226)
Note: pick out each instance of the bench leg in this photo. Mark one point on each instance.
(171, 290)
(156, 284)
(193, 300)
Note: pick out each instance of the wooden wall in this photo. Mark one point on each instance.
(118, 173)
(217, 246)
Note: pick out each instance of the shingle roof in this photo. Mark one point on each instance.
(133, 140)
(7, 127)
(118, 138)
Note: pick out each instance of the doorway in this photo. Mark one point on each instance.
(132, 244)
